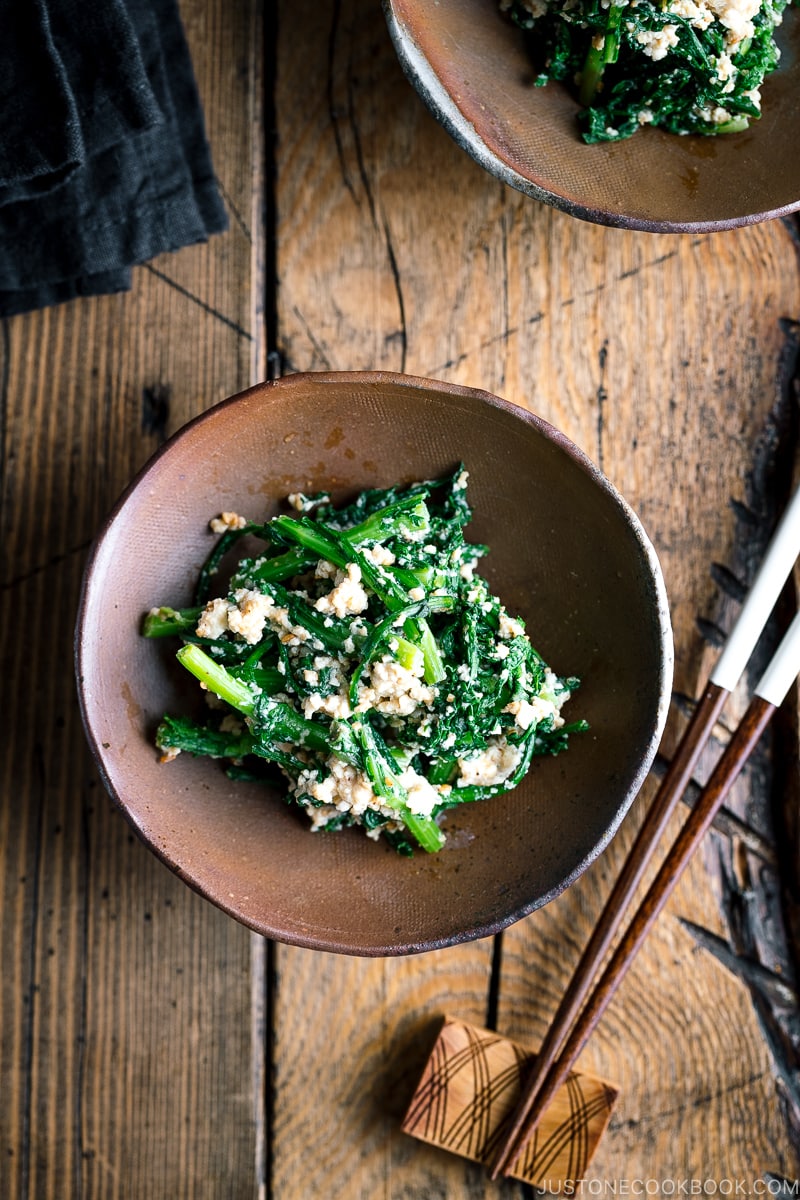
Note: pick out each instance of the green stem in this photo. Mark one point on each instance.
(409, 514)
(406, 653)
(386, 783)
(736, 124)
(180, 733)
(591, 75)
(216, 678)
(419, 631)
(166, 622)
(596, 59)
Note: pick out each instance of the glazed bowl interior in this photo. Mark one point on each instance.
(566, 553)
(472, 67)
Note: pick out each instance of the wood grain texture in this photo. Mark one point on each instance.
(659, 357)
(117, 981)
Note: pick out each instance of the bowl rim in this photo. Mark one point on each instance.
(419, 72)
(413, 382)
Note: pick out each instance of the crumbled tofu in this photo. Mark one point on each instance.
(417, 593)
(213, 619)
(477, 593)
(336, 705)
(699, 15)
(169, 755)
(301, 503)
(347, 596)
(657, 43)
(492, 766)
(736, 16)
(250, 614)
(510, 627)
(532, 712)
(422, 796)
(344, 789)
(226, 521)
(248, 617)
(394, 689)
(325, 569)
(725, 71)
(539, 708)
(714, 116)
(382, 556)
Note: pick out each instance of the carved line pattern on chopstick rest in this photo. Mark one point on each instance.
(469, 1090)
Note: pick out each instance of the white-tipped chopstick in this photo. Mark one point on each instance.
(781, 554)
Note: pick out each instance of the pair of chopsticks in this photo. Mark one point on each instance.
(583, 1006)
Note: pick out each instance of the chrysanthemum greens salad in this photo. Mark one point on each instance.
(362, 655)
(690, 66)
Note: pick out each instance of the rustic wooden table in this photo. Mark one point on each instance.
(151, 1047)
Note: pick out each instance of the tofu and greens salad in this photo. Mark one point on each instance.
(360, 654)
(688, 66)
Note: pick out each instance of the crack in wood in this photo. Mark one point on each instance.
(601, 395)
(505, 336)
(710, 632)
(213, 312)
(55, 561)
(359, 152)
(728, 583)
(333, 111)
(495, 980)
(696, 1102)
(398, 287)
(233, 210)
(317, 346)
(155, 410)
(540, 316)
(772, 986)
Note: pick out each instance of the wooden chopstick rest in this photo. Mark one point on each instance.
(469, 1090)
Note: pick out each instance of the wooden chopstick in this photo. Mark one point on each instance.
(672, 787)
(781, 554)
(769, 694)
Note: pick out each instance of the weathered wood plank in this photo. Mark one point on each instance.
(658, 356)
(118, 984)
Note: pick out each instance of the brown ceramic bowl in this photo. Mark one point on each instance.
(471, 66)
(566, 553)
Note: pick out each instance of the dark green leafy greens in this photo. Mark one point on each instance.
(689, 66)
(361, 655)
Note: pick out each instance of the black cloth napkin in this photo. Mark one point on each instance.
(104, 161)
